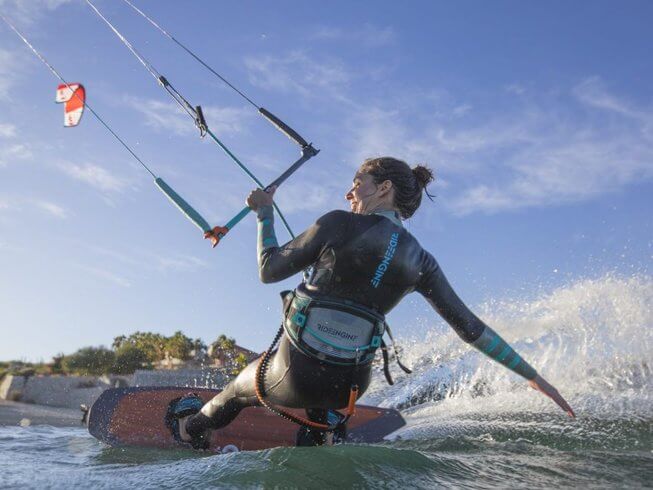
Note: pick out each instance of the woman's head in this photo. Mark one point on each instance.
(388, 181)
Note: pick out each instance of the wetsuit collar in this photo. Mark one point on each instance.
(391, 215)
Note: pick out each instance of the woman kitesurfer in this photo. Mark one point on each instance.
(362, 264)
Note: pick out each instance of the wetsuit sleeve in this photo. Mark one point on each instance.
(433, 285)
(265, 236)
(277, 263)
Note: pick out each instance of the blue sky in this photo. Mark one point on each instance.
(537, 119)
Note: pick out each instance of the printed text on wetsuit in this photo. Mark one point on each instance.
(385, 262)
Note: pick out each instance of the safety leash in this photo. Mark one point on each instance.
(262, 368)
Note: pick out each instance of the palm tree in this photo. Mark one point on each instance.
(222, 349)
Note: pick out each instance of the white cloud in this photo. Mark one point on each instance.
(12, 153)
(15, 203)
(52, 209)
(162, 115)
(547, 151)
(107, 276)
(7, 131)
(367, 35)
(8, 76)
(170, 117)
(298, 73)
(145, 259)
(182, 263)
(313, 196)
(516, 89)
(28, 12)
(572, 163)
(482, 198)
(227, 120)
(20, 13)
(95, 176)
(462, 110)
(592, 92)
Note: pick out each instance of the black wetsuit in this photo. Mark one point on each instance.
(368, 259)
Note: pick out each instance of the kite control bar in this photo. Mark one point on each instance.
(283, 127)
(219, 232)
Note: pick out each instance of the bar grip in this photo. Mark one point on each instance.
(183, 206)
(283, 127)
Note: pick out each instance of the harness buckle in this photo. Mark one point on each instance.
(299, 318)
(376, 342)
(358, 356)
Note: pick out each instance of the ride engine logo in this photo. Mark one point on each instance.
(385, 262)
(335, 332)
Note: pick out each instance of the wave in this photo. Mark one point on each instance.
(471, 422)
(592, 339)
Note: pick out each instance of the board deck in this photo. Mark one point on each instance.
(135, 417)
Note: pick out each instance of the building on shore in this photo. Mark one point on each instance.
(216, 356)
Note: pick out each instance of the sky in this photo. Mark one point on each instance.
(537, 119)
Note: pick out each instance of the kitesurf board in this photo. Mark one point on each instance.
(135, 417)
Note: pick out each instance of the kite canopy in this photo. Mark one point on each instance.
(74, 96)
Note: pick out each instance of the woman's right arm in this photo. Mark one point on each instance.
(280, 262)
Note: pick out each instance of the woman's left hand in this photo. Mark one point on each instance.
(259, 197)
(541, 385)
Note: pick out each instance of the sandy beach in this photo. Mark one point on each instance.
(14, 413)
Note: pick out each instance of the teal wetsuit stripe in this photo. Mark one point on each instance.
(504, 353)
(491, 344)
(266, 236)
(495, 341)
(513, 364)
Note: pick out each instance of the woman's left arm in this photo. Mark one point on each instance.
(439, 293)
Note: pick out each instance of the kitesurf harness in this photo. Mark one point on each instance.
(333, 331)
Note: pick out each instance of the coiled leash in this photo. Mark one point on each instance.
(262, 368)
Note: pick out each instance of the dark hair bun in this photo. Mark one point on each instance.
(423, 176)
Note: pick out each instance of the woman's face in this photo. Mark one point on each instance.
(362, 193)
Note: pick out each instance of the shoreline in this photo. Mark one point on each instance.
(26, 414)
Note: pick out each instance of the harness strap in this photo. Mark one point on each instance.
(386, 368)
(394, 348)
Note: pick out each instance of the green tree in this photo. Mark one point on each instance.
(223, 349)
(118, 342)
(89, 361)
(57, 363)
(226, 343)
(129, 358)
(152, 344)
(199, 349)
(179, 346)
(238, 364)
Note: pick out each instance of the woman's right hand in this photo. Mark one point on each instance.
(259, 197)
(540, 384)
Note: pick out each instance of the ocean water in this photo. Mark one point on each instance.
(471, 423)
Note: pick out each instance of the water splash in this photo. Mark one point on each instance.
(592, 339)
(471, 423)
